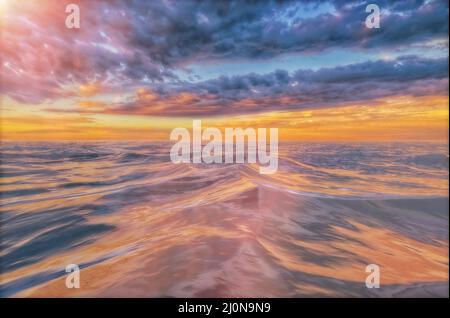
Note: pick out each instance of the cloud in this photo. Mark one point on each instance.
(125, 44)
(174, 32)
(281, 90)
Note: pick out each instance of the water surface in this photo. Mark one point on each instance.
(139, 225)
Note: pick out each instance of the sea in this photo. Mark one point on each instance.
(138, 225)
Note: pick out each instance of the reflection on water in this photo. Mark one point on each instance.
(138, 225)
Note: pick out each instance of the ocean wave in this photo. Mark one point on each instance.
(223, 229)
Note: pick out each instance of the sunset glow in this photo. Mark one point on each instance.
(95, 84)
(224, 149)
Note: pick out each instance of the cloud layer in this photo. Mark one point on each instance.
(137, 47)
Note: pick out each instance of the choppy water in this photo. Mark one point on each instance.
(139, 225)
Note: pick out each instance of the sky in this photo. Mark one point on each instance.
(135, 70)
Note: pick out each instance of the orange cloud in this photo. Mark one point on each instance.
(92, 104)
(90, 89)
(146, 95)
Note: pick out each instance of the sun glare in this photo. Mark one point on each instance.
(3, 6)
